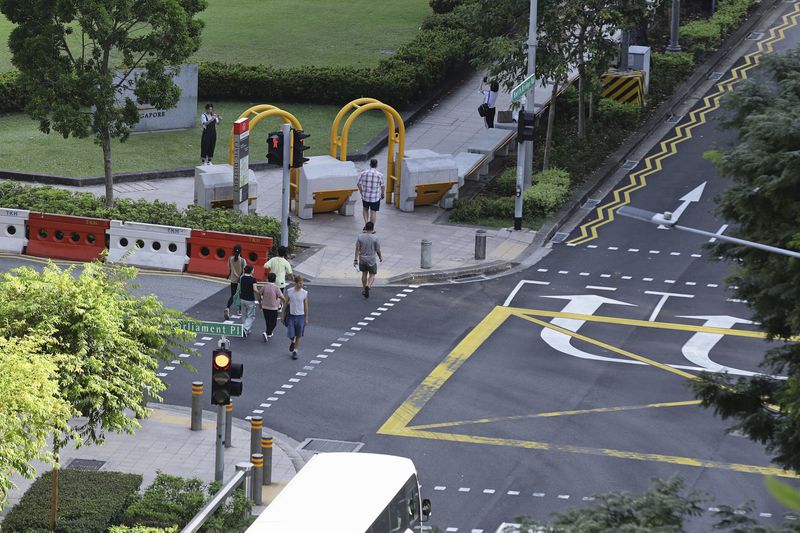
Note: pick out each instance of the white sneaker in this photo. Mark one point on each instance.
(266, 337)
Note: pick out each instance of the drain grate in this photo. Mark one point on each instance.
(673, 119)
(754, 36)
(559, 237)
(328, 445)
(591, 203)
(716, 75)
(630, 164)
(85, 464)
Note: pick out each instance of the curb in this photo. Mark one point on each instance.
(611, 165)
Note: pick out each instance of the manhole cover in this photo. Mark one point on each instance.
(590, 204)
(754, 36)
(630, 164)
(559, 237)
(327, 445)
(85, 464)
(716, 75)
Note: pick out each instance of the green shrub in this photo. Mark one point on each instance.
(47, 199)
(667, 71)
(473, 210)
(548, 193)
(700, 36)
(172, 501)
(505, 184)
(142, 529)
(617, 114)
(11, 97)
(89, 502)
(443, 6)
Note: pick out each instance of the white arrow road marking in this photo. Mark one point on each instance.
(663, 300)
(698, 347)
(519, 286)
(691, 196)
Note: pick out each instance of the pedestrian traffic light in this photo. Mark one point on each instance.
(525, 125)
(275, 148)
(223, 375)
(298, 147)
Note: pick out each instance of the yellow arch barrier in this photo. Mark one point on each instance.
(397, 134)
(263, 111)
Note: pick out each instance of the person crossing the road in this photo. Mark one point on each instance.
(270, 297)
(236, 264)
(368, 251)
(296, 317)
(247, 295)
(280, 267)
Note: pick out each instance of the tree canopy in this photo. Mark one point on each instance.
(68, 53)
(763, 205)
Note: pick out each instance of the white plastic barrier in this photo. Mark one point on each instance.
(213, 185)
(424, 169)
(148, 245)
(12, 230)
(325, 174)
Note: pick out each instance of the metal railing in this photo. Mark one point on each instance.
(243, 476)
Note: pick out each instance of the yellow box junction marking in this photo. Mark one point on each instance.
(683, 132)
(399, 423)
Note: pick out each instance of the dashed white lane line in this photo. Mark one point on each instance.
(408, 290)
(674, 253)
(588, 499)
(591, 246)
(183, 355)
(439, 487)
(302, 374)
(696, 255)
(315, 362)
(169, 368)
(342, 339)
(265, 405)
(328, 350)
(765, 515)
(563, 496)
(199, 344)
(321, 356)
(294, 380)
(670, 281)
(206, 338)
(308, 367)
(563, 271)
(691, 283)
(336, 344)
(273, 399)
(394, 299)
(647, 279)
(279, 392)
(584, 274)
(452, 530)
(601, 288)
(258, 411)
(464, 489)
(513, 493)
(633, 250)
(613, 248)
(286, 386)
(175, 362)
(350, 333)
(653, 252)
(538, 494)
(388, 304)
(362, 324)
(383, 308)
(374, 313)
(626, 277)
(541, 270)
(488, 491)
(370, 318)
(712, 285)
(162, 374)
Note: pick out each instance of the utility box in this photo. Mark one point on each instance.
(639, 59)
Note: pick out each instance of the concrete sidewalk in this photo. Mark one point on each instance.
(166, 444)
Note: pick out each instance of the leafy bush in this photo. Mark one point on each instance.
(11, 97)
(443, 6)
(473, 210)
(416, 68)
(89, 502)
(172, 501)
(47, 199)
(667, 71)
(548, 193)
(142, 529)
(618, 114)
(700, 36)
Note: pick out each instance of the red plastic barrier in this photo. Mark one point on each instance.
(209, 252)
(66, 237)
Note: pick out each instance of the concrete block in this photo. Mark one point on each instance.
(424, 167)
(471, 165)
(491, 141)
(215, 182)
(325, 173)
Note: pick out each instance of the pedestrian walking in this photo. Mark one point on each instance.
(236, 264)
(280, 267)
(208, 140)
(270, 297)
(295, 314)
(490, 101)
(368, 251)
(372, 187)
(247, 295)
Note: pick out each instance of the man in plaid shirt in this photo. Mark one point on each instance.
(372, 187)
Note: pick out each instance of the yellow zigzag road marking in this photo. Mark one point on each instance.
(652, 164)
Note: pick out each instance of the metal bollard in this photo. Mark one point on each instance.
(247, 484)
(228, 424)
(266, 451)
(256, 423)
(258, 476)
(480, 244)
(197, 405)
(425, 254)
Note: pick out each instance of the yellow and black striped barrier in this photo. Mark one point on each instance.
(266, 451)
(624, 87)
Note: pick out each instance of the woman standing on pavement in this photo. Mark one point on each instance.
(490, 99)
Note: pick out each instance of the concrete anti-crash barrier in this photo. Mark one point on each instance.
(213, 187)
(66, 237)
(12, 230)
(148, 245)
(327, 185)
(428, 178)
(209, 252)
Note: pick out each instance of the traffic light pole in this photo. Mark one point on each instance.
(521, 159)
(532, 38)
(219, 456)
(286, 129)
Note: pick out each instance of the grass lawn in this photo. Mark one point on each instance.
(299, 32)
(27, 149)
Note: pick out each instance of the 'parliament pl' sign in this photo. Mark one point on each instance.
(182, 116)
(212, 328)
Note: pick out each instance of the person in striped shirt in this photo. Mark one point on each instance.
(372, 187)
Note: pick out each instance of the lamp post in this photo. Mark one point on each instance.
(675, 20)
(665, 219)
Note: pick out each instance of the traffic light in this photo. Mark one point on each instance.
(298, 147)
(525, 125)
(223, 374)
(275, 148)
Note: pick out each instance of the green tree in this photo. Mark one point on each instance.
(105, 343)
(763, 206)
(68, 52)
(30, 410)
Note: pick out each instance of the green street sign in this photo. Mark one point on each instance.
(212, 328)
(522, 88)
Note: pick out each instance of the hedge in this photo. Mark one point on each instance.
(548, 193)
(703, 36)
(11, 97)
(618, 114)
(48, 199)
(142, 529)
(89, 502)
(667, 71)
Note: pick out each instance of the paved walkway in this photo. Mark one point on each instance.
(166, 444)
(446, 128)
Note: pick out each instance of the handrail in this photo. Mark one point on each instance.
(242, 475)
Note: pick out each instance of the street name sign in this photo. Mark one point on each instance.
(212, 328)
(522, 88)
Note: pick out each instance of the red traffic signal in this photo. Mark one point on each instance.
(275, 148)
